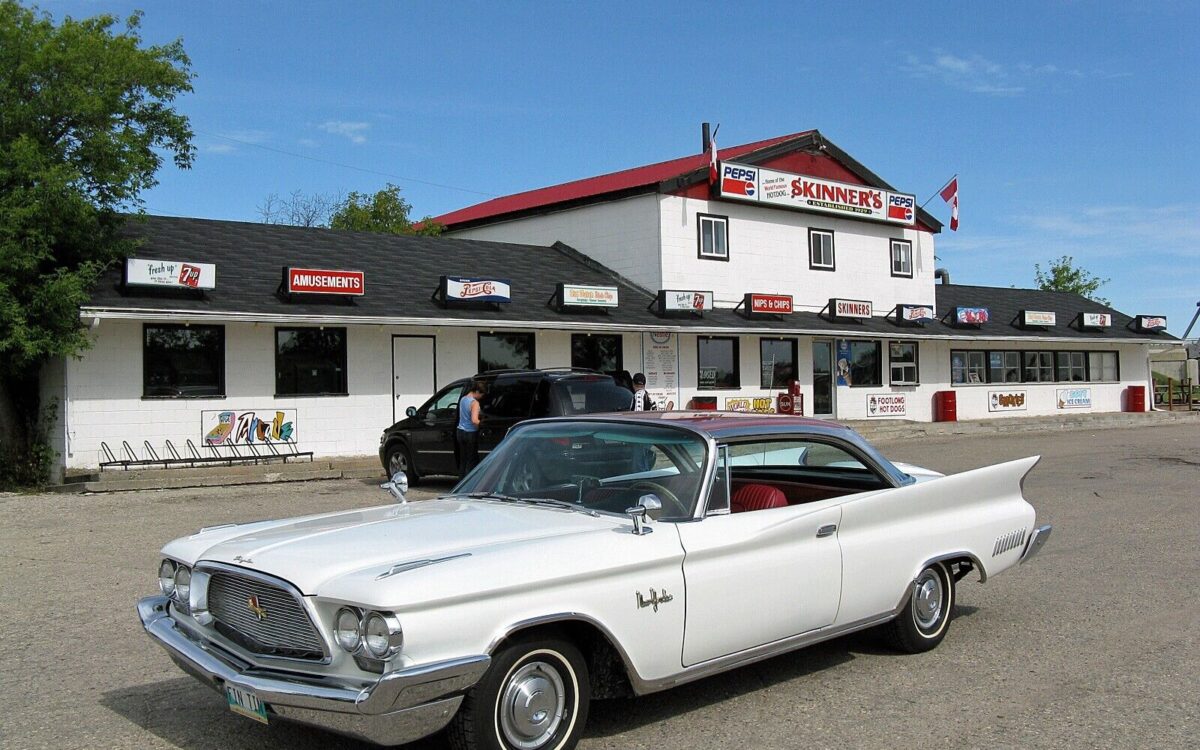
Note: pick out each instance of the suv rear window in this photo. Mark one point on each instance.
(509, 398)
(588, 396)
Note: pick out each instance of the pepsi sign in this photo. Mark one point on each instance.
(738, 181)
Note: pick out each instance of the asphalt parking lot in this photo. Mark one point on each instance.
(1094, 644)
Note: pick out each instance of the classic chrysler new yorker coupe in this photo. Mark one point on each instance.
(584, 558)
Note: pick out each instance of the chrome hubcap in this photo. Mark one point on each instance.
(399, 462)
(532, 705)
(927, 599)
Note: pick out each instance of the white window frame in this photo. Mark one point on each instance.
(903, 365)
(812, 259)
(905, 269)
(714, 223)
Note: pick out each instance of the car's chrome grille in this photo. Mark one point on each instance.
(1011, 540)
(262, 618)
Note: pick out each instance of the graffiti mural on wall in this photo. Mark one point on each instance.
(252, 426)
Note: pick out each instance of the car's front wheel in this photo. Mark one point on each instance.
(534, 697)
(400, 459)
(922, 622)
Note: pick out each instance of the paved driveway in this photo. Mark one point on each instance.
(1094, 644)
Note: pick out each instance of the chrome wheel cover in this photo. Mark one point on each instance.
(927, 596)
(532, 705)
(398, 462)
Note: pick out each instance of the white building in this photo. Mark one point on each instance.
(221, 332)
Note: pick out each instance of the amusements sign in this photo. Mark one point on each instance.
(1074, 398)
(745, 182)
(221, 427)
(170, 273)
(660, 363)
(325, 281)
(887, 405)
(1006, 401)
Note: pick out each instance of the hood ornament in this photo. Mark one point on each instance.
(240, 559)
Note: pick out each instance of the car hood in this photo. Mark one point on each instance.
(310, 551)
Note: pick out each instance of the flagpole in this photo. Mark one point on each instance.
(939, 190)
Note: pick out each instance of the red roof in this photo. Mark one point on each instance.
(606, 183)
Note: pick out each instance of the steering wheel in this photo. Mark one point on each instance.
(668, 498)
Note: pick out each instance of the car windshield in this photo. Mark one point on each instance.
(595, 466)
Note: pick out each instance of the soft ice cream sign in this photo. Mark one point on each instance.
(746, 182)
(170, 273)
(1074, 398)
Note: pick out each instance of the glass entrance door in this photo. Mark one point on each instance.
(823, 390)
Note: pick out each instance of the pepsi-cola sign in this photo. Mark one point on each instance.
(459, 289)
(1151, 323)
(746, 182)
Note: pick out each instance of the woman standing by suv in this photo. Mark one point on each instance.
(467, 434)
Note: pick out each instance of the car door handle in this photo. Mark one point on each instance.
(826, 530)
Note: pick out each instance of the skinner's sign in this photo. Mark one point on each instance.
(746, 182)
(324, 281)
(849, 308)
(170, 273)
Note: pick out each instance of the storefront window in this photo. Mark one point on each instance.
(717, 359)
(181, 361)
(902, 258)
(1039, 367)
(506, 351)
(1004, 367)
(968, 367)
(1103, 366)
(820, 249)
(1072, 366)
(778, 360)
(310, 362)
(902, 360)
(713, 241)
(866, 366)
(596, 352)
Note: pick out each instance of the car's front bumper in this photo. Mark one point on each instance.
(398, 707)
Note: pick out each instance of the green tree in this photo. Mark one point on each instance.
(86, 117)
(385, 212)
(1062, 276)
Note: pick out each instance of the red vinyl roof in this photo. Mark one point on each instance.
(601, 185)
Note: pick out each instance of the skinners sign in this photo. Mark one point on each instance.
(769, 304)
(477, 290)
(849, 308)
(1006, 401)
(322, 281)
(589, 296)
(887, 405)
(1097, 320)
(171, 273)
(750, 183)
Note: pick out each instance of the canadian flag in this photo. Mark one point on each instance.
(712, 160)
(950, 195)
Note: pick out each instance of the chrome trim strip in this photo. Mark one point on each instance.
(949, 556)
(358, 707)
(404, 567)
(1037, 540)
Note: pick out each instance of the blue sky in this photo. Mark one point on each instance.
(1073, 126)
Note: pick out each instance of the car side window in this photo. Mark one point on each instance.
(718, 496)
(509, 399)
(792, 453)
(443, 404)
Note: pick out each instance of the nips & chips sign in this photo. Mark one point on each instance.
(769, 304)
(746, 182)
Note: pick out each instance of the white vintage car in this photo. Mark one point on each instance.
(583, 558)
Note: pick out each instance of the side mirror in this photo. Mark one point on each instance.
(647, 506)
(410, 411)
(398, 486)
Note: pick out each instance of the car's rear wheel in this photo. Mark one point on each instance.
(534, 697)
(922, 622)
(400, 459)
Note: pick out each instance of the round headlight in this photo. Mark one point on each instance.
(166, 577)
(382, 635)
(345, 629)
(183, 583)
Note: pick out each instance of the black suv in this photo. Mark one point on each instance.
(423, 443)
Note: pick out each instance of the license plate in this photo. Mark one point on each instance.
(246, 703)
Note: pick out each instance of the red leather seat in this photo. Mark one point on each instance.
(756, 497)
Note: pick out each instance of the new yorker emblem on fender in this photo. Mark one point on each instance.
(259, 611)
(654, 600)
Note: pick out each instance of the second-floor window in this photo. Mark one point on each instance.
(820, 249)
(902, 258)
(713, 241)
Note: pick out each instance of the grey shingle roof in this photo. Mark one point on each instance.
(403, 272)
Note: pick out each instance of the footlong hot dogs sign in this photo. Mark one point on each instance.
(745, 182)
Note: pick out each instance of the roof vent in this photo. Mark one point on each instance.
(943, 274)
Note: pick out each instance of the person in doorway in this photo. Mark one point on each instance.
(467, 434)
(641, 399)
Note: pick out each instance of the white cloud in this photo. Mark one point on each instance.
(979, 75)
(218, 148)
(355, 132)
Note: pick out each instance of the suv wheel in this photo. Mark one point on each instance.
(400, 459)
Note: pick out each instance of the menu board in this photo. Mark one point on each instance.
(660, 364)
